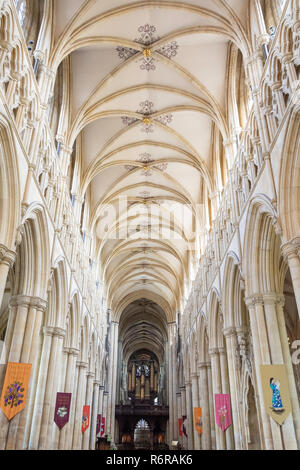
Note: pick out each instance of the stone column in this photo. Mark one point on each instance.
(7, 259)
(71, 425)
(217, 388)
(289, 369)
(204, 403)
(100, 402)
(80, 399)
(266, 428)
(225, 389)
(271, 301)
(18, 437)
(105, 407)
(31, 355)
(234, 380)
(189, 411)
(95, 411)
(88, 402)
(115, 335)
(195, 404)
(68, 388)
(211, 407)
(19, 341)
(184, 413)
(179, 415)
(291, 253)
(172, 382)
(47, 422)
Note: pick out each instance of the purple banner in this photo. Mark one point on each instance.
(99, 421)
(62, 409)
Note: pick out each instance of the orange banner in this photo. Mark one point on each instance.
(198, 420)
(14, 390)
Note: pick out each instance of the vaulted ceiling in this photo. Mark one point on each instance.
(149, 83)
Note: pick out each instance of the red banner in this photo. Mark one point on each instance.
(62, 409)
(85, 418)
(223, 411)
(180, 423)
(102, 431)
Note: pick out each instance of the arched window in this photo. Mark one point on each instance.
(142, 424)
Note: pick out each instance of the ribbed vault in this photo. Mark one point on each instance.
(149, 115)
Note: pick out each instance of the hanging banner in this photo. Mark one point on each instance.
(15, 388)
(85, 418)
(276, 392)
(98, 427)
(102, 430)
(223, 411)
(183, 426)
(198, 420)
(62, 409)
(180, 423)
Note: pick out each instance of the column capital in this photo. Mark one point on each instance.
(194, 376)
(82, 365)
(203, 365)
(213, 352)
(229, 331)
(97, 383)
(28, 301)
(273, 298)
(59, 332)
(253, 300)
(72, 351)
(90, 374)
(291, 249)
(7, 256)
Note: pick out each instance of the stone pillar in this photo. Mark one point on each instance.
(47, 423)
(195, 404)
(72, 355)
(184, 413)
(19, 427)
(21, 345)
(217, 388)
(204, 403)
(100, 402)
(179, 416)
(114, 365)
(95, 411)
(7, 259)
(172, 382)
(266, 428)
(271, 302)
(105, 403)
(71, 425)
(268, 350)
(291, 253)
(234, 380)
(225, 389)
(211, 407)
(88, 402)
(80, 399)
(189, 411)
(289, 369)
